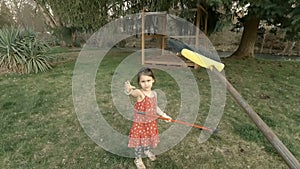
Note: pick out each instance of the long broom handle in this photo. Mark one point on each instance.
(178, 121)
(288, 157)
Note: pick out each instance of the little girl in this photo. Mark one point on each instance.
(144, 130)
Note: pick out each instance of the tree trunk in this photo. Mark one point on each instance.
(50, 20)
(246, 47)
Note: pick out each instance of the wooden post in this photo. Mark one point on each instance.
(205, 26)
(198, 27)
(288, 157)
(197, 32)
(143, 37)
(163, 35)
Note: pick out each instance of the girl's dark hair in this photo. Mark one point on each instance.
(145, 71)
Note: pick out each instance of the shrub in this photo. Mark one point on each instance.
(22, 52)
(10, 53)
(36, 59)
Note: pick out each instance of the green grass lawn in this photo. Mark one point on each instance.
(39, 127)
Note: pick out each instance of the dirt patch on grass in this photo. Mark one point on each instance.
(4, 71)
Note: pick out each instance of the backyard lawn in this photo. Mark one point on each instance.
(39, 127)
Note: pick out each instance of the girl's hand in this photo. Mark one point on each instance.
(128, 88)
(167, 117)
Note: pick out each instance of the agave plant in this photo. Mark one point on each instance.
(22, 52)
(11, 56)
(36, 59)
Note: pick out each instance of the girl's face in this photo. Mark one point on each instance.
(146, 82)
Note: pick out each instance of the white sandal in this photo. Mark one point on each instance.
(139, 163)
(150, 155)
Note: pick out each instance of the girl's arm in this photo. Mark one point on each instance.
(160, 112)
(131, 90)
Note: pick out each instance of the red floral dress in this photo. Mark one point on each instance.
(144, 130)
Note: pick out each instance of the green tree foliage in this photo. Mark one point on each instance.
(293, 27)
(76, 13)
(278, 13)
(79, 15)
(69, 17)
(92, 14)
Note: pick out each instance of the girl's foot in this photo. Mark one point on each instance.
(150, 155)
(139, 163)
